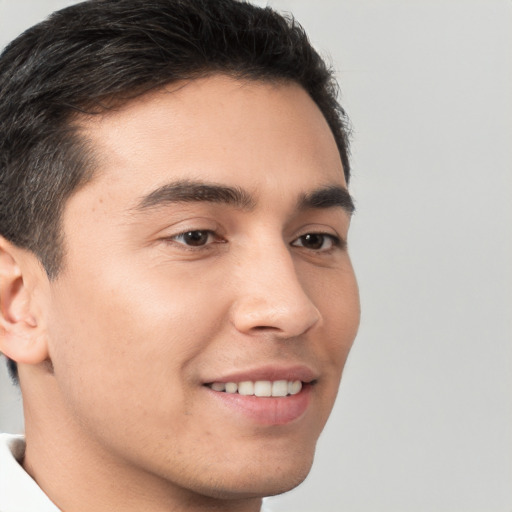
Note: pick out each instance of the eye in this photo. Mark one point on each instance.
(196, 238)
(317, 241)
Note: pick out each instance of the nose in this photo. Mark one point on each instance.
(271, 298)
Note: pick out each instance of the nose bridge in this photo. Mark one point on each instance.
(270, 295)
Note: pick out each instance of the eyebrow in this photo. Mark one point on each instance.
(188, 191)
(328, 197)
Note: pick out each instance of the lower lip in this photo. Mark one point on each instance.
(267, 410)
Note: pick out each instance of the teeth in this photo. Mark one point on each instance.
(246, 388)
(231, 387)
(262, 388)
(294, 387)
(280, 388)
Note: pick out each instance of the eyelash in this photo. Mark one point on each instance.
(335, 241)
(208, 232)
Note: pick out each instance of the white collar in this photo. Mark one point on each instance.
(18, 492)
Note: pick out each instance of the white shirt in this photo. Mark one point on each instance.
(18, 491)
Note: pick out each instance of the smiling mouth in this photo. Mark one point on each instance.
(267, 400)
(259, 388)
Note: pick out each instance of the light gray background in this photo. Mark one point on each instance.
(424, 417)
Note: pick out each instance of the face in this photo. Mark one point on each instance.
(206, 268)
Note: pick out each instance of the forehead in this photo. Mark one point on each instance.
(216, 129)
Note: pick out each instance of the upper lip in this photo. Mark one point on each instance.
(300, 372)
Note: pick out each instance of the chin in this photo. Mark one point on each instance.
(252, 481)
(285, 483)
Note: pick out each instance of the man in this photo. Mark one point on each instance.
(176, 295)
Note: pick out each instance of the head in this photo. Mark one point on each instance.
(173, 214)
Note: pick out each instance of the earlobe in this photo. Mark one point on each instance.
(21, 331)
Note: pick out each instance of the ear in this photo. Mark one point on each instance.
(22, 336)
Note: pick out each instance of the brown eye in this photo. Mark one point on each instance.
(196, 238)
(313, 241)
(316, 241)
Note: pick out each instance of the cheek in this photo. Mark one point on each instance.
(337, 298)
(128, 333)
(336, 295)
(344, 310)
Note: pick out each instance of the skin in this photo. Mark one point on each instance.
(114, 353)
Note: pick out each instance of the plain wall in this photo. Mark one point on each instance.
(424, 417)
